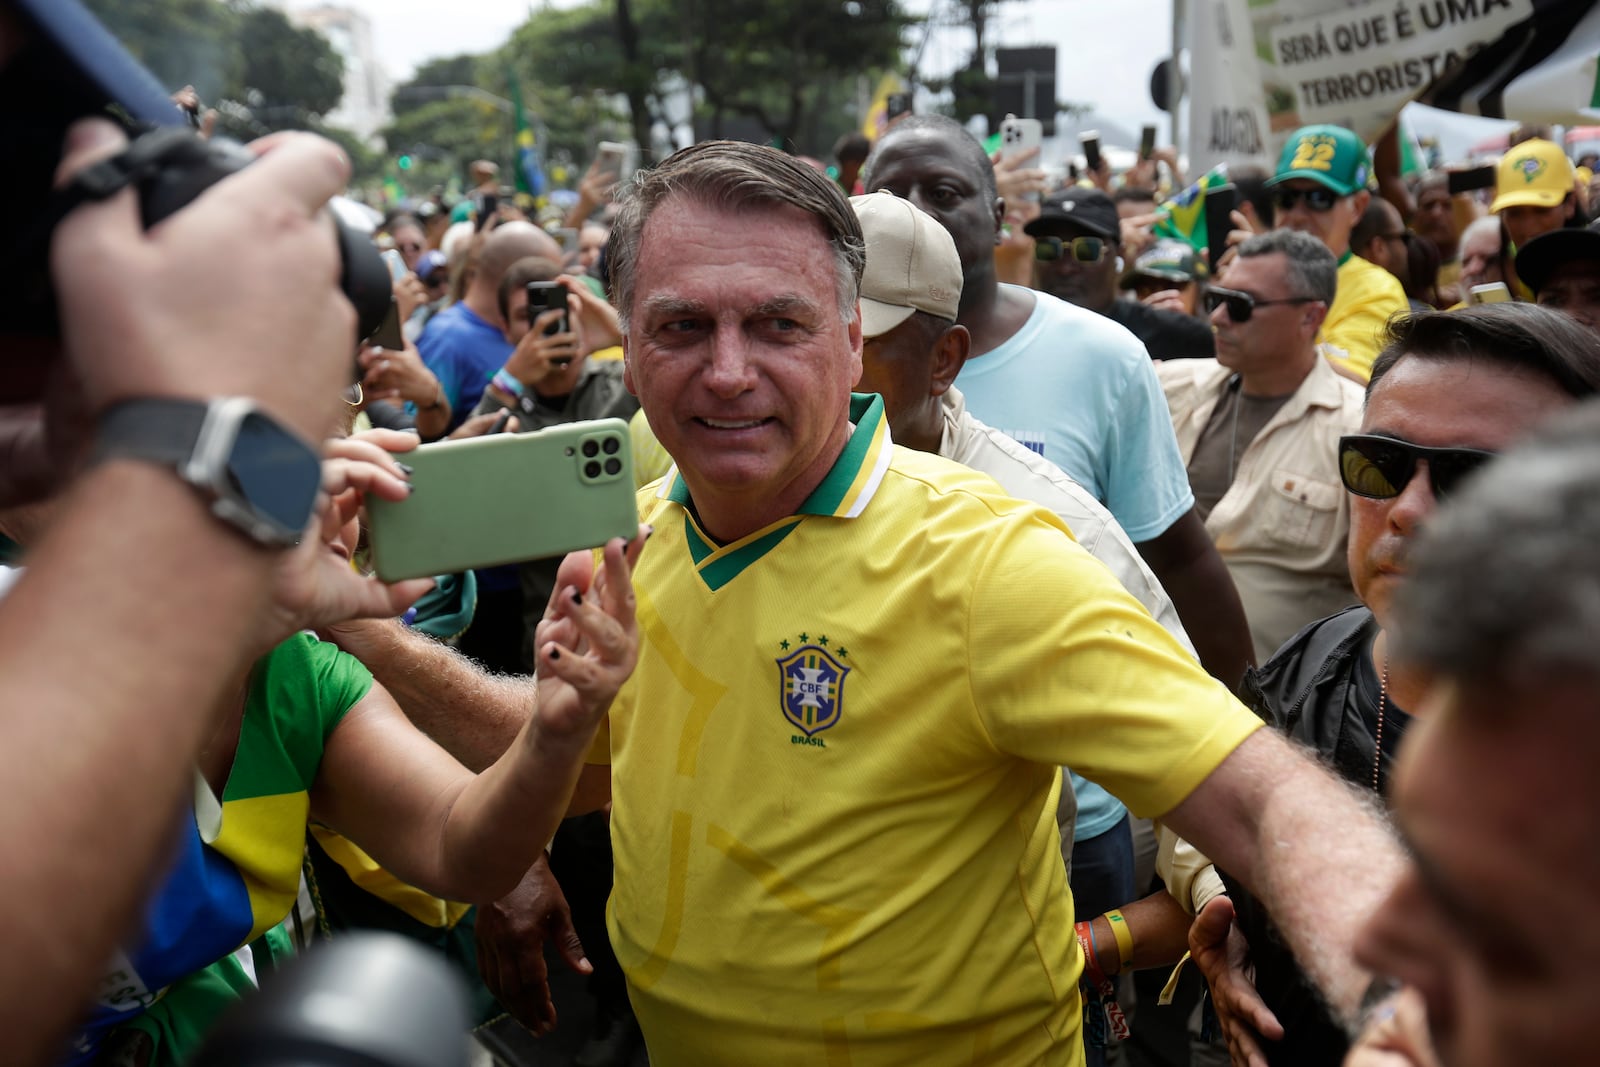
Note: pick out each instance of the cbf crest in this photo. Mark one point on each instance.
(811, 685)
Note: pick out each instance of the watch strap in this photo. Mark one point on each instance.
(159, 429)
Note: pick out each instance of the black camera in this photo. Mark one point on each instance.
(69, 67)
(364, 1000)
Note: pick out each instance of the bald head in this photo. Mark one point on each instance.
(505, 245)
(509, 243)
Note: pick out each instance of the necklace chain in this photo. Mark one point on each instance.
(1383, 704)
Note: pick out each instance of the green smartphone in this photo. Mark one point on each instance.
(506, 498)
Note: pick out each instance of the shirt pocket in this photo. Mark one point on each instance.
(1300, 511)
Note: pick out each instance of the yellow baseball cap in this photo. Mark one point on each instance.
(1535, 173)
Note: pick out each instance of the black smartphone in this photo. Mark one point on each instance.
(1466, 181)
(542, 296)
(1147, 142)
(1091, 149)
(388, 334)
(897, 104)
(488, 206)
(1220, 202)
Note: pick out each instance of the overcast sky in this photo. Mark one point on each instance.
(1106, 49)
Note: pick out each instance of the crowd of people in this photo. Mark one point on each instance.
(1040, 644)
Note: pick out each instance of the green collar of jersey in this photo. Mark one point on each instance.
(1346, 257)
(844, 494)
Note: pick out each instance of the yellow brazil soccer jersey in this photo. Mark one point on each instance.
(1366, 298)
(834, 769)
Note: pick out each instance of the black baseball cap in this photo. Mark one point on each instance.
(1082, 208)
(1539, 258)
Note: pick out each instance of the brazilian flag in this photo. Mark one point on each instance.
(1184, 216)
(529, 167)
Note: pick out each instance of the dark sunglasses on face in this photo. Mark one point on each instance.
(1381, 467)
(1317, 199)
(1242, 305)
(409, 246)
(1081, 249)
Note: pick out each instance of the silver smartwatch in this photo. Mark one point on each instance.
(258, 476)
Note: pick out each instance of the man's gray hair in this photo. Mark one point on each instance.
(1505, 583)
(1313, 270)
(735, 176)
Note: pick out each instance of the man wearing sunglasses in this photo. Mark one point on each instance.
(1257, 428)
(1450, 391)
(1320, 188)
(1077, 237)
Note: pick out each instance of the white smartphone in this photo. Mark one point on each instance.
(1018, 136)
(610, 157)
(1492, 293)
(396, 264)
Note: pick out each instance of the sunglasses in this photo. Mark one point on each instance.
(409, 246)
(1081, 249)
(1381, 467)
(1242, 305)
(1318, 199)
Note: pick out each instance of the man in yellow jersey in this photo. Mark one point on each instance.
(833, 774)
(1320, 188)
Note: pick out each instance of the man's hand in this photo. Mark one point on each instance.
(1219, 949)
(594, 319)
(398, 375)
(1242, 231)
(1138, 233)
(409, 294)
(536, 354)
(1396, 1035)
(478, 425)
(595, 188)
(588, 641)
(511, 935)
(1013, 180)
(1166, 300)
(314, 585)
(235, 295)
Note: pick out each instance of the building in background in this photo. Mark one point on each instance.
(365, 107)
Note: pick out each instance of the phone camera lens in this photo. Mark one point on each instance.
(613, 466)
(591, 469)
(611, 445)
(591, 449)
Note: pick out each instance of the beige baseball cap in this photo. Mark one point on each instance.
(912, 264)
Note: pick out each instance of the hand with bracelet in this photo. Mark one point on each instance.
(401, 376)
(540, 356)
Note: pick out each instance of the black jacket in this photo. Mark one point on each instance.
(1320, 688)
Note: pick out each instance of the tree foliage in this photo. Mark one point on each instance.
(787, 66)
(284, 75)
(287, 70)
(183, 42)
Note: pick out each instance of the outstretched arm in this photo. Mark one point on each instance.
(465, 837)
(1312, 848)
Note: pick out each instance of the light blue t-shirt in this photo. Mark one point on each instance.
(1080, 390)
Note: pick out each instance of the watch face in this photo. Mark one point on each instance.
(276, 472)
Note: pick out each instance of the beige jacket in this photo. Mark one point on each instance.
(1282, 525)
